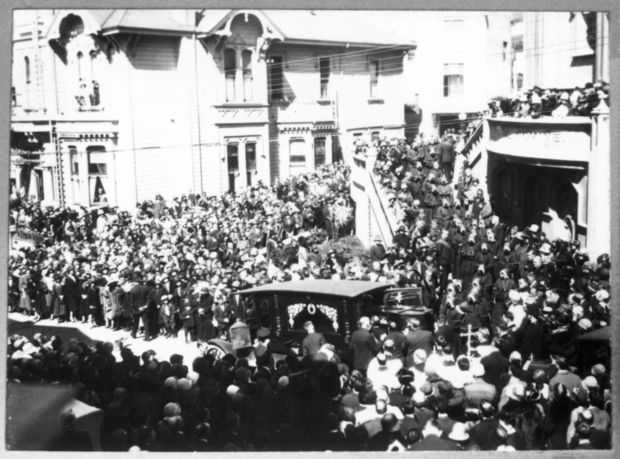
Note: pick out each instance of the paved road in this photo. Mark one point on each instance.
(164, 347)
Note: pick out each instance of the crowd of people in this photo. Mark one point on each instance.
(538, 102)
(495, 366)
(174, 266)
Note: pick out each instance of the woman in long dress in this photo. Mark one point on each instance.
(25, 303)
(43, 302)
(105, 297)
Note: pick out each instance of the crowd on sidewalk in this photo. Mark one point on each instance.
(496, 367)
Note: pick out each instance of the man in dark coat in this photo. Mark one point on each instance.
(139, 297)
(204, 316)
(417, 338)
(364, 345)
(447, 156)
(401, 239)
(377, 249)
(70, 294)
(495, 364)
(390, 432)
(445, 258)
(432, 440)
(529, 338)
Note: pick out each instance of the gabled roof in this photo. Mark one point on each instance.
(336, 26)
(327, 27)
(135, 20)
(343, 288)
(362, 28)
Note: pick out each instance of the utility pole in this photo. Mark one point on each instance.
(197, 17)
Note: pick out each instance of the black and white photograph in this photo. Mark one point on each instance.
(309, 230)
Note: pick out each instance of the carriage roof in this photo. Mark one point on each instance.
(341, 288)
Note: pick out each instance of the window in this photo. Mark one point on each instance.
(73, 161)
(374, 78)
(298, 152)
(324, 69)
(246, 66)
(230, 70)
(27, 69)
(13, 97)
(453, 80)
(250, 160)
(375, 136)
(319, 151)
(97, 161)
(232, 151)
(276, 78)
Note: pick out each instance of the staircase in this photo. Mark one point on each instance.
(475, 152)
(373, 217)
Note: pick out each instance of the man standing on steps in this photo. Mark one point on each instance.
(446, 157)
(364, 346)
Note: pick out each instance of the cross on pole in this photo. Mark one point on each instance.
(469, 335)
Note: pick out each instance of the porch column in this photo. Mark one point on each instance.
(599, 187)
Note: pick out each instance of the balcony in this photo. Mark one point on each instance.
(546, 138)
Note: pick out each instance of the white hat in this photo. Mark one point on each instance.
(602, 295)
(232, 389)
(515, 355)
(585, 324)
(589, 382)
(419, 357)
(514, 296)
(459, 432)
(418, 397)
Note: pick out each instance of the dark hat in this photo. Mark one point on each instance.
(389, 423)
(263, 332)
